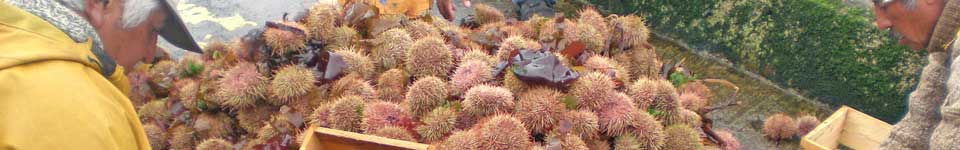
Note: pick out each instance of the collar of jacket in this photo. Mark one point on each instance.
(947, 27)
(76, 27)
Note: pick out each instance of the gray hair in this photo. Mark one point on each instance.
(911, 4)
(135, 12)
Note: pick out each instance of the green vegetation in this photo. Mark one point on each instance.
(822, 48)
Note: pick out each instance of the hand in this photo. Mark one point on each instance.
(448, 10)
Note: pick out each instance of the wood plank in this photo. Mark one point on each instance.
(861, 131)
(331, 139)
(825, 136)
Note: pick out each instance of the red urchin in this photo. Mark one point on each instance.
(730, 142)
(616, 115)
(380, 114)
(806, 123)
(470, 74)
(241, 86)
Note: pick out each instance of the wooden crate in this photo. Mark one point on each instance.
(849, 127)
(321, 138)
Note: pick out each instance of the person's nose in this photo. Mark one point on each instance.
(883, 22)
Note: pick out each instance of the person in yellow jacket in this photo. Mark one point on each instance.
(62, 84)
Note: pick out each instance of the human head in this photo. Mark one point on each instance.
(913, 21)
(129, 28)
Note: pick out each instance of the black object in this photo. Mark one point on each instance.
(535, 67)
(326, 65)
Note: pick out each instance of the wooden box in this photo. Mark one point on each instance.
(848, 127)
(320, 138)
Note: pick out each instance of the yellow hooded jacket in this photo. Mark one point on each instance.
(52, 94)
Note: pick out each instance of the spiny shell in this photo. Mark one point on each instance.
(426, 94)
(392, 85)
(377, 115)
(241, 86)
(394, 132)
(390, 49)
(291, 83)
(440, 122)
(470, 74)
(503, 132)
(592, 90)
(429, 57)
(540, 109)
(283, 41)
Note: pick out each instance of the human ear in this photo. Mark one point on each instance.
(95, 12)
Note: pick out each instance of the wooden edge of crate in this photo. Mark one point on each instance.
(826, 135)
(849, 127)
(320, 138)
(862, 131)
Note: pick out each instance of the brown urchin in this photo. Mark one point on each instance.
(592, 90)
(285, 41)
(503, 132)
(426, 94)
(540, 109)
(215, 144)
(429, 57)
(392, 85)
(393, 132)
(390, 48)
(487, 14)
(683, 137)
(461, 140)
(290, 83)
(484, 100)
(585, 123)
(321, 20)
(352, 84)
(648, 130)
(358, 63)
(347, 114)
(779, 127)
(437, 124)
